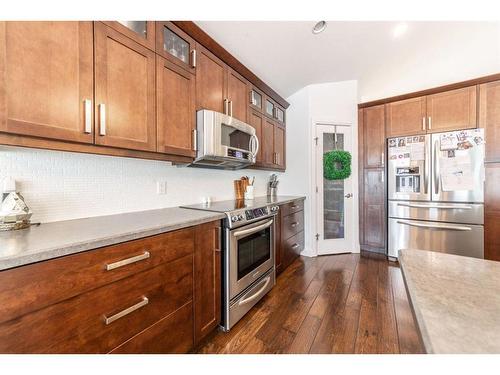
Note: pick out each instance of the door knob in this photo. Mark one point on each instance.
(349, 195)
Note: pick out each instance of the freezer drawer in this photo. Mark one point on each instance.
(459, 239)
(435, 211)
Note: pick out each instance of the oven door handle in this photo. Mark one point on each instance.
(257, 294)
(253, 230)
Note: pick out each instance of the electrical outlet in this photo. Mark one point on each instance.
(161, 187)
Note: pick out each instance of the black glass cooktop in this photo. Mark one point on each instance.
(232, 205)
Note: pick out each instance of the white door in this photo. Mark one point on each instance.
(334, 198)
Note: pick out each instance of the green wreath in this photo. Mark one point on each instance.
(337, 165)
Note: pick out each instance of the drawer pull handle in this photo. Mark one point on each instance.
(295, 206)
(127, 311)
(295, 224)
(124, 262)
(295, 245)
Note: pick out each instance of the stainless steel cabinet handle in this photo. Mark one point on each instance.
(295, 245)
(127, 311)
(226, 105)
(127, 261)
(436, 167)
(195, 140)
(193, 58)
(231, 108)
(348, 195)
(411, 205)
(87, 108)
(294, 207)
(267, 224)
(443, 227)
(294, 224)
(430, 122)
(382, 159)
(218, 240)
(423, 123)
(257, 294)
(102, 119)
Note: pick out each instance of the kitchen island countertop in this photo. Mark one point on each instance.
(455, 299)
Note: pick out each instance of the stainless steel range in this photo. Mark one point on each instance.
(248, 254)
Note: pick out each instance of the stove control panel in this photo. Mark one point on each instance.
(239, 217)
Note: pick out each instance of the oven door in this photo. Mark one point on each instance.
(251, 254)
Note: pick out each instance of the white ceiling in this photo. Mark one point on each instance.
(287, 56)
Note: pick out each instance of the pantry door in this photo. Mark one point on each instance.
(334, 198)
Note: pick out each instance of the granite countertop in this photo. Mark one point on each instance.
(52, 240)
(455, 299)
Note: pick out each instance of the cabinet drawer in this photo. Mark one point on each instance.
(102, 319)
(36, 286)
(292, 224)
(292, 248)
(291, 207)
(173, 334)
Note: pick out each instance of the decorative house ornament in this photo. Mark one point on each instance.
(337, 165)
(14, 212)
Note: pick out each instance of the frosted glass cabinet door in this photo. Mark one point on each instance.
(142, 32)
(176, 46)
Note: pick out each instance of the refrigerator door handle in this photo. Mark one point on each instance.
(436, 226)
(444, 207)
(426, 168)
(436, 166)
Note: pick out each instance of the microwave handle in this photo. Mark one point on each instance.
(254, 145)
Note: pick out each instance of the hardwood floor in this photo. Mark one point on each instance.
(346, 303)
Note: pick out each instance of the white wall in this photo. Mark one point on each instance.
(439, 55)
(332, 102)
(62, 185)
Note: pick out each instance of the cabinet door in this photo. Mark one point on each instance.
(175, 91)
(255, 120)
(237, 94)
(256, 99)
(207, 279)
(124, 91)
(374, 131)
(492, 212)
(405, 117)
(175, 45)
(269, 107)
(361, 177)
(210, 81)
(267, 142)
(142, 32)
(374, 208)
(279, 146)
(452, 110)
(489, 118)
(46, 79)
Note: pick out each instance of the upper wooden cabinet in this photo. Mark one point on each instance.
(374, 131)
(142, 32)
(452, 110)
(175, 94)
(176, 46)
(406, 117)
(489, 118)
(124, 91)
(237, 94)
(210, 81)
(279, 146)
(374, 209)
(46, 79)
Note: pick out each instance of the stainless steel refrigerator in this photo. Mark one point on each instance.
(436, 193)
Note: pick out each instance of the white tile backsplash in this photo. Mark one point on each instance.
(63, 185)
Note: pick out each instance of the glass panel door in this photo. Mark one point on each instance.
(175, 45)
(333, 193)
(334, 198)
(139, 27)
(256, 99)
(269, 108)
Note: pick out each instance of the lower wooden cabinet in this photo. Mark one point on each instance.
(164, 301)
(290, 234)
(207, 286)
(492, 212)
(374, 212)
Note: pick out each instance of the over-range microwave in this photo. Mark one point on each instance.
(223, 141)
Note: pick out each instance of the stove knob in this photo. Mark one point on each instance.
(240, 217)
(234, 218)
